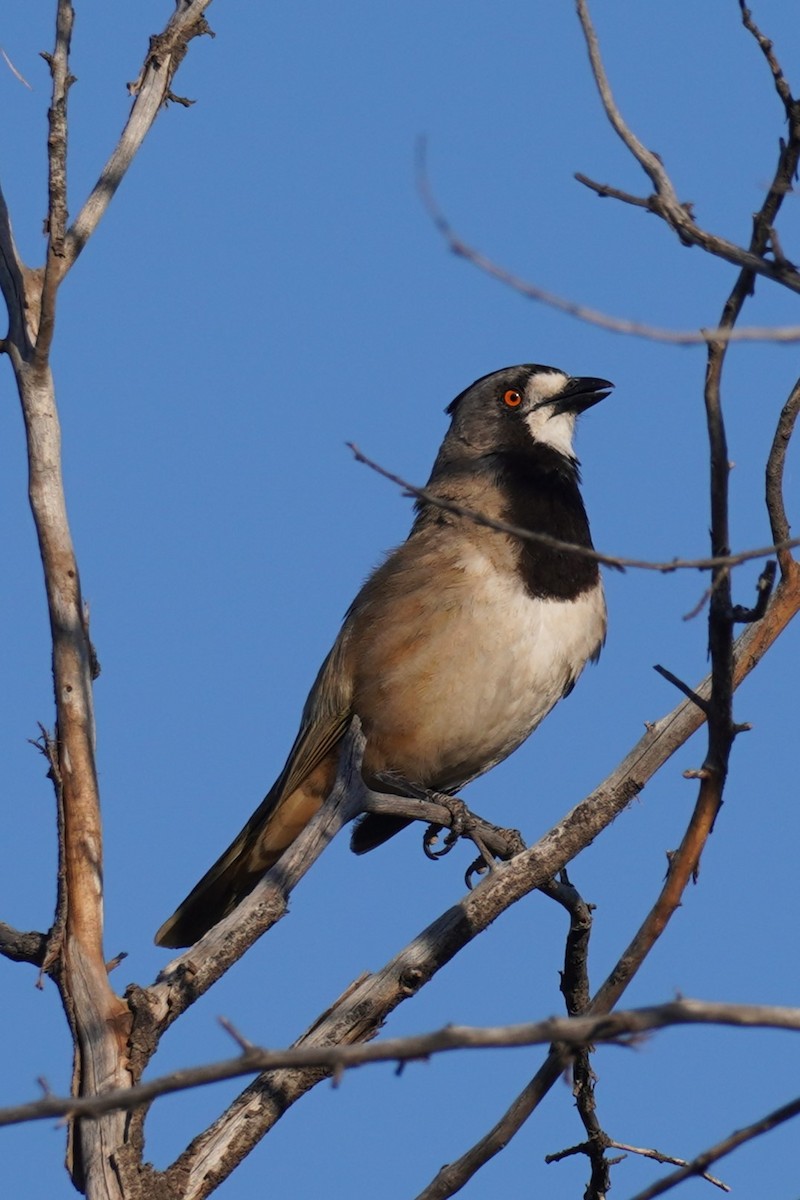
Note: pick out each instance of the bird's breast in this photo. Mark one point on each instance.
(452, 678)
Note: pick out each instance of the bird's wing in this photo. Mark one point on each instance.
(326, 714)
(261, 841)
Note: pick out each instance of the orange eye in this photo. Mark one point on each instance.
(512, 398)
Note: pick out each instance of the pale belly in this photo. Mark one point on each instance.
(467, 680)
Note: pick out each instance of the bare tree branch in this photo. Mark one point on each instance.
(781, 86)
(664, 202)
(617, 561)
(576, 991)
(683, 866)
(107, 1151)
(592, 316)
(152, 90)
(98, 1018)
(684, 863)
(192, 972)
(17, 283)
(55, 266)
(22, 947)
(14, 70)
(700, 1164)
(569, 1031)
(659, 1156)
(776, 462)
(359, 1013)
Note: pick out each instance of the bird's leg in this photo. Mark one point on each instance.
(462, 823)
(461, 819)
(505, 844)
(491, 841)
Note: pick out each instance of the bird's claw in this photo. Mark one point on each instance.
(461, 824)
(464, 824)
(477, 868)
(431, 836)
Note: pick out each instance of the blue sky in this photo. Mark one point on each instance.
(266, 287)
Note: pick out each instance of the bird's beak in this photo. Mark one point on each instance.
(581, 393)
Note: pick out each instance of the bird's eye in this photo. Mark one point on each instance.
(512, 398)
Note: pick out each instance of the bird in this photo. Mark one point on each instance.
(458, 644)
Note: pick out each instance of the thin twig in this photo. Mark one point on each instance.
(618, 562)
(776, 508)
(700, 701)
(576, 992)
(567, 1031)
(665, 202)
(606, 189)
(650, 163)
(781, 86)
(659, 1156)
(151, 90)
(592, 316)
(14, 70)
(743, 614)
(699, 1165)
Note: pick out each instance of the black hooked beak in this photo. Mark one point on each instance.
(581, 393)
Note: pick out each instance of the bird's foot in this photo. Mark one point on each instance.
(462, 822)
(492, 841)
(505, 843)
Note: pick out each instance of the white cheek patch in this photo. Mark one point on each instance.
(556, 431)
(546, 429)
(545, 384)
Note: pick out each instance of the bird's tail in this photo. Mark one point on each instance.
(373, 829)
(274, 825)
(232, 877)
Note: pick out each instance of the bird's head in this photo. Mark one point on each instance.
(517, 406)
